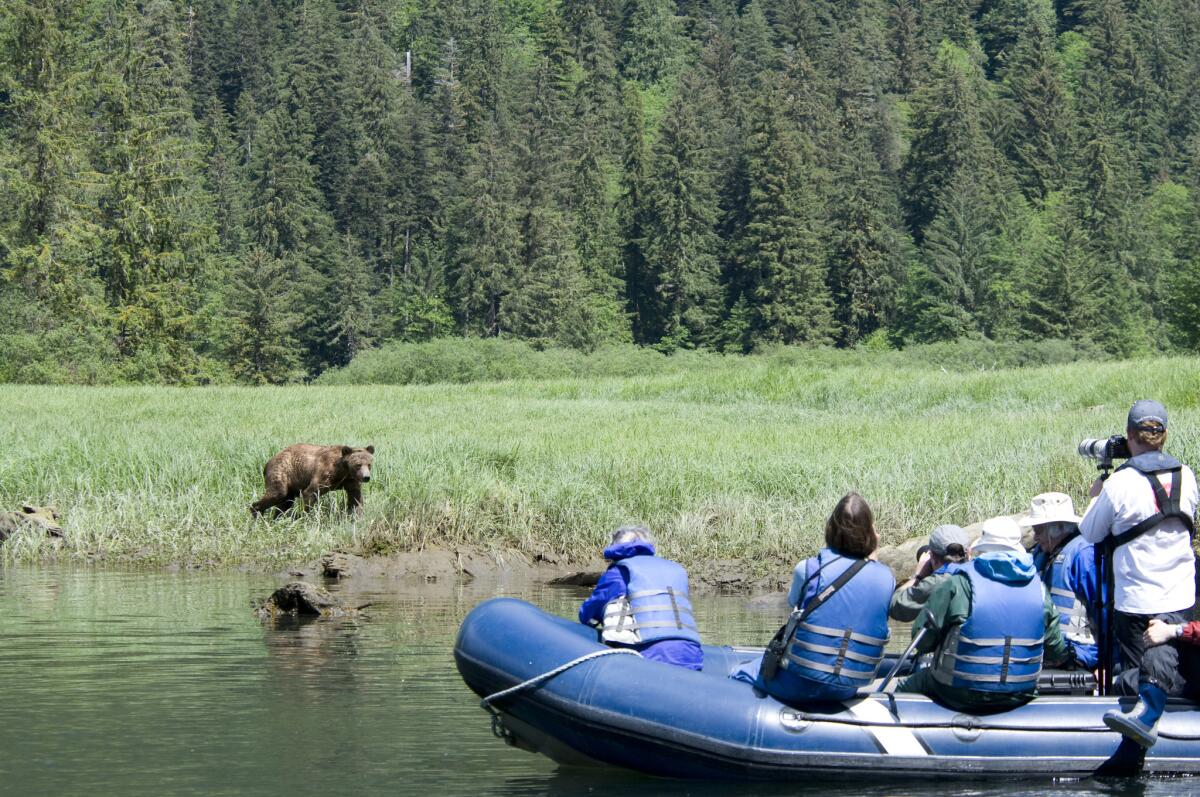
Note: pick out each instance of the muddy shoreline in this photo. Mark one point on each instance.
(465, 565)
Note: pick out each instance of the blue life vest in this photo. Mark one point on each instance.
(655, 604)
(999, 647)
(841, 643)
(1072, 612)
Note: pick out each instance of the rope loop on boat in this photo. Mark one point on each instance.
(537, 679)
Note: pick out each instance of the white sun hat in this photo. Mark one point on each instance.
(999, 534)
(1050, 508)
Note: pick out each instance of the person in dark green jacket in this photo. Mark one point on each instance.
(947, 547)
(990, 625)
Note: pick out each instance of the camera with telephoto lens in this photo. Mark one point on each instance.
(1105, 451)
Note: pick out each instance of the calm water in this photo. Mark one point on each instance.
(152, 684)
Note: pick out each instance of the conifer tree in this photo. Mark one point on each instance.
(781, 247)
(652, 41)
(351, 327)
(755, 54)
(224, 176)
(261, 346)
(680, 242)
(640, 282)
(951, 285)
(948, 134)
(45, 239)
(319, 97)
(867, 262)
(904, 41)
(549, 288)
(155, 233)
(484, 239)
(1032, 86)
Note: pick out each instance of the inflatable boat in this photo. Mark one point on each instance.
(562, 695)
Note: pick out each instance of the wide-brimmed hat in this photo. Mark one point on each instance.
(999, 534)
(1050, 508)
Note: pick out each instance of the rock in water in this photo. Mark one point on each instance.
(300, 598)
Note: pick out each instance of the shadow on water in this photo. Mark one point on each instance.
(569, 782)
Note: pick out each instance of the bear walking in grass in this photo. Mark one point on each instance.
(303, 471)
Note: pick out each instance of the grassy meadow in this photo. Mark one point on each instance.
(739, 459)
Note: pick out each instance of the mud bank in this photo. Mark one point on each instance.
(463, 565)
(446, 566)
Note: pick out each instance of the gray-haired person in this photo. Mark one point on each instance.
(641, 602)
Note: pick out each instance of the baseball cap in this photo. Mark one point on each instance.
(946, 535)
(1146, 412)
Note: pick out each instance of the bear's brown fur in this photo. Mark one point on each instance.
(302, 472)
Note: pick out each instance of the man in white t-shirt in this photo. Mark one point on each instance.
(1145, 513)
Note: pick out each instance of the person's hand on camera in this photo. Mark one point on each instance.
(1158, 633)
(1097, 486)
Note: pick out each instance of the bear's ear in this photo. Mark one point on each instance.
(347, 451)
(370, 449)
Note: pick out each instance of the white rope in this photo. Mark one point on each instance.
(551, 673)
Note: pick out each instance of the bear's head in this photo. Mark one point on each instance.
(358, 462)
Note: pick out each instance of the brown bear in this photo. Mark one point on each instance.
(304, 471)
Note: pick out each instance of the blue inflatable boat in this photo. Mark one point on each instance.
(624, 711)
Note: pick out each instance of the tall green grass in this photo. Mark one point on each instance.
(739, 460)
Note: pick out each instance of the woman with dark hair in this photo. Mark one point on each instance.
(833, 641)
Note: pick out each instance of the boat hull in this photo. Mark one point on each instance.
(624, 711)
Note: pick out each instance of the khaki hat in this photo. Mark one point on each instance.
(1050, 508)
(999, 534)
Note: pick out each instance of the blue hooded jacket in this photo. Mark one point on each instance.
(680, 652)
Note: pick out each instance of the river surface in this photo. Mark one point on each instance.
(115, 683)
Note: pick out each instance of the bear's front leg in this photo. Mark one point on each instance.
(354, 499)
(308, 497)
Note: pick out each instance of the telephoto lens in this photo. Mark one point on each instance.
(1094, 448)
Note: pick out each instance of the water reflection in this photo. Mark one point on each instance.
(145, 684)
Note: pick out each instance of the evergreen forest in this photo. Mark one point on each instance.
(259, 190)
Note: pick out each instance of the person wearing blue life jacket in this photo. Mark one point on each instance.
(1067, 565)
(990, 626)
(834, 638)
(1143, 519)
(641, 602)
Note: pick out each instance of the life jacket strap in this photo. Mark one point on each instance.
(663, 624)
(992, 642)
(836, 633)
(969, 659)
(854, 675)
(1168, 507)
(997, 679)
(843, 652)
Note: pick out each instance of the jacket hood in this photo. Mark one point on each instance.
(623, 550)
(1009, 567)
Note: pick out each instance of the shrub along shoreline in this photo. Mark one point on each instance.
(738, 460)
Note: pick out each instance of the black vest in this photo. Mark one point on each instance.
(1150, 465)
